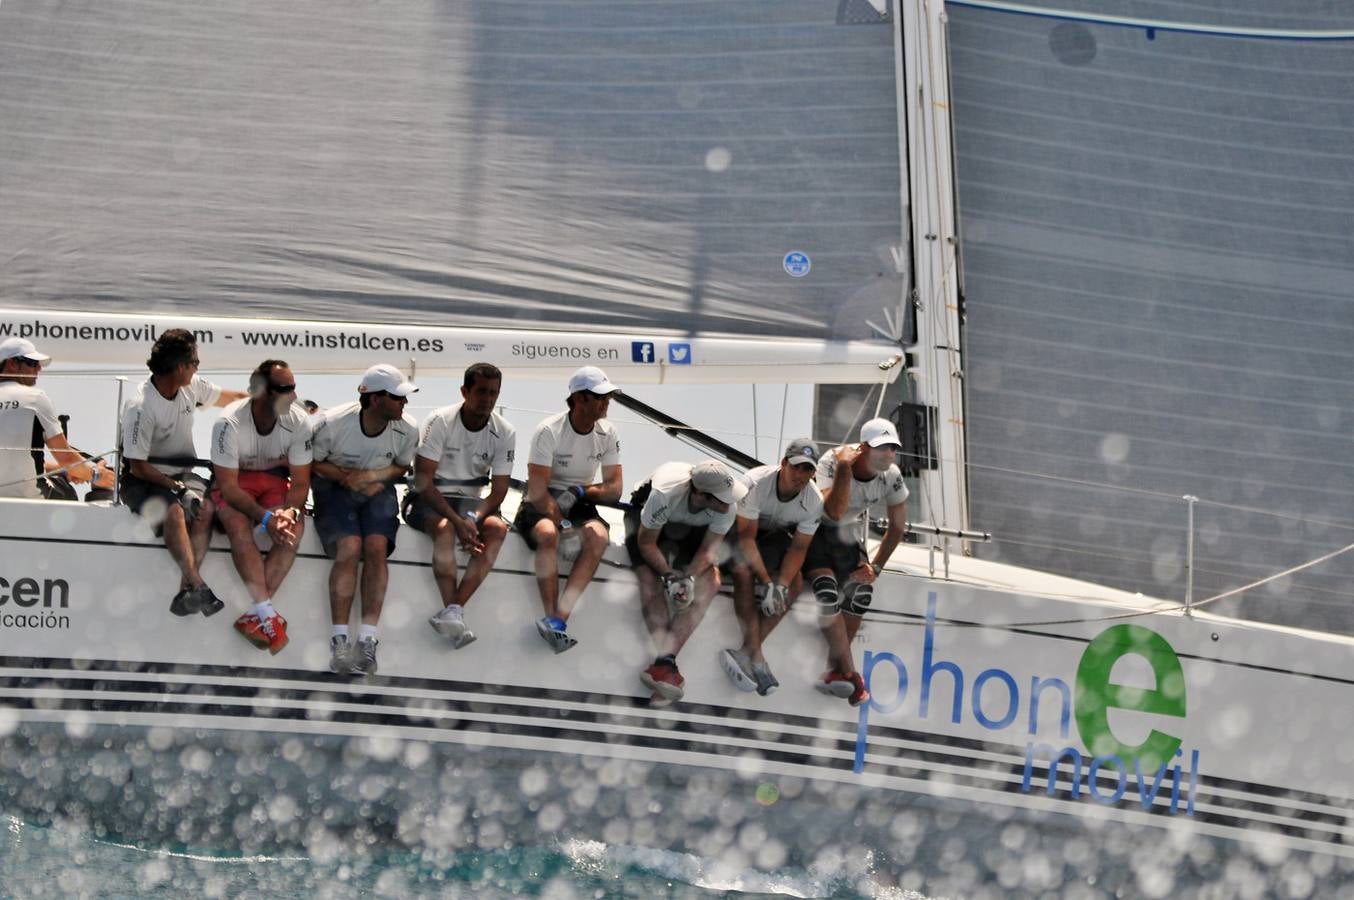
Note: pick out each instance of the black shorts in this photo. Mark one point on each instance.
(418, 513)
(772, 545)
(678, 542)
(527, 517)
(829, 551)
(137, 493)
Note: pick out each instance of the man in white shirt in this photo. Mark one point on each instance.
(158, 453)
(675, 530)
(559, 513)
(361, 449)
(28, 419)
(463, 447)
(777, 520)
(852, 478)
(261, 458)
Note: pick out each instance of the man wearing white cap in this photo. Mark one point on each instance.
(852, 478)
(159, 455)
(28, 420)
(776, 522)
(559, 514)
(361, 449)
(675, 530)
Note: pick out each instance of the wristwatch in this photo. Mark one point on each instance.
(473, 516)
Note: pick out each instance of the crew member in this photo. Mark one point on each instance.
(28, 419)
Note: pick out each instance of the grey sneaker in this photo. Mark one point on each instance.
(738, 667)
(557, 638)
(364, 657)
(766, 682)
(450, 623)
(340, 655)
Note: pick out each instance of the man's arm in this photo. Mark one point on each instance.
(747, 543)
(649, 552)
(300, 487)
(838, 496)
(794, 558)
(229, 397)
(68, 457)
(892, 535)
(151, 475)
(707, 556)
(425, 483)
(498, 489)
(609, 491)
(538, 492)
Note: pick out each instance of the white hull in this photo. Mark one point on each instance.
(1264, 741)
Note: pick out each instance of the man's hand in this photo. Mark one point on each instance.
(281, 526)
(847, 456)
(864, 573)
(775, 599)
(469, 534)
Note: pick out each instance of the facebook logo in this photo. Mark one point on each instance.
(641, 351)
(679, 354)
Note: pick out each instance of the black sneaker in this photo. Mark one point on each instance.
(185, 602)
(210, 604)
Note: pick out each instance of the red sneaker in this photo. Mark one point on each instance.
(276, 629)
(835, 684)
(252, 629)
(859, 695)
(664, 680)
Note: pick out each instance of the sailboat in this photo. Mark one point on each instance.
(682, 194)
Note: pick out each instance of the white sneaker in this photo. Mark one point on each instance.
(739, 669)
(449, 622)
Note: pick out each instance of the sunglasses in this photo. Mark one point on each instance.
(396, 397)
(25, 361)
(281, 388)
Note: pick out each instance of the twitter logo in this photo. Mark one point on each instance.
(679, 354)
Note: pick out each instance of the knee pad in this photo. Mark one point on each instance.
(825, 590)
(856, 598)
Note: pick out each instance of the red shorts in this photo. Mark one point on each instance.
(267, 489)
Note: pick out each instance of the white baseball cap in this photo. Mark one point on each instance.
(385, 377)
(590, 379)
(12, 348)
(716, 480)
(878, 432)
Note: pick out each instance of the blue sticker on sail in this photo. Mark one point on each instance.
(797, 264)
(679, 354)
(641, 351)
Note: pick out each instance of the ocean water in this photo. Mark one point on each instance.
(247, 815)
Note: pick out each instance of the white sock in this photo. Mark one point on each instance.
(456, 606)
(366, 631)
(263, 609)
(340, 631)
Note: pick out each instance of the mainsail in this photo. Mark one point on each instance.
(579, 166)
(1159, 259)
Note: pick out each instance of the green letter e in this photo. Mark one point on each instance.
(1095, 695)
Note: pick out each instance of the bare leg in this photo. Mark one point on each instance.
(444, 558)
(280, 559)
(343, 579)
(653, 607)
(493, 531)
(200, 532)
(244, 553)
(180, 547)
(375, 576)
(547, 565)
(595, 541)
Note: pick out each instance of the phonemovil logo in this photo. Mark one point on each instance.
(1042, 710)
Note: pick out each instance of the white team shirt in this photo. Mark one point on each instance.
(888, 486)
(465, 455)
(22, 407)
(154, 426)
(670, 501)
(573, 458)
(762, 502)
(237, 444)
(339, 440)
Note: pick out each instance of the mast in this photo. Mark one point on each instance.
(926, 135)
